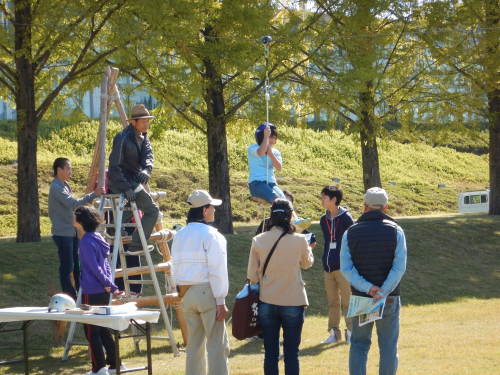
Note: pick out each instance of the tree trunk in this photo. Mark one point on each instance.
(369, 151)
(494, 120)
(91, 101)
(218, 165)
(492, 35)
(28, 210)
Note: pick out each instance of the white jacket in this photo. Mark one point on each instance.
(199, 255)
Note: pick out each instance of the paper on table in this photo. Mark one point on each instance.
(112, 310)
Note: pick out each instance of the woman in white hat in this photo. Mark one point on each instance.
(199, 267)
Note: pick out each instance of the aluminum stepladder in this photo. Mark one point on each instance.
(118, 250)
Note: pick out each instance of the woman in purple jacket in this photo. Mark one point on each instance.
(96, 284)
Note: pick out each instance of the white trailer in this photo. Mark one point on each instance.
(474, 201)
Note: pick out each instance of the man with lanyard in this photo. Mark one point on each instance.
(130, 165)
(199, 268)
(373, 259)
(334, 223)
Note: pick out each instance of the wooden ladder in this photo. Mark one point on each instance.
(117, 206)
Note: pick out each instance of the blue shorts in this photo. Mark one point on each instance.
(267, 191)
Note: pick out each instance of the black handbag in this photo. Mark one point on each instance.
(245, 315)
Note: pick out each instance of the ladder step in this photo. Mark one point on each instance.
(142, 282)
(141, 252)
(156, 236)
(111, 240)
(114, 225)
(125, 240)
(161, 267)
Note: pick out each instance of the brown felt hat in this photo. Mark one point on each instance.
(139, 111)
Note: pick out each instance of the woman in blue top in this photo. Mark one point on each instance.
(262, 160)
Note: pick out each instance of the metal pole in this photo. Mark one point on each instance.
(102, 131)
(148, 341)
(117, 351)
(266, 41)
(25, 346)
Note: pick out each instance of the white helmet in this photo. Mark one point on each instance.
(61, 302)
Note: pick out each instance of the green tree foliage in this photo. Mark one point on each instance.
(48, 50)
(205, 64)
(468, 52)
(367, 68)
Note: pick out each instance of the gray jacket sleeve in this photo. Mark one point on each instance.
(67, 200)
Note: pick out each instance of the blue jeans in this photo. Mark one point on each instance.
(388, 333)
(67, 249)
(271, 319)
(267, 191)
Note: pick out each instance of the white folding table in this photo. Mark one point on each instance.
(116, 323)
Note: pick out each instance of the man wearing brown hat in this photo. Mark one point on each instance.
(199, 268)
(373, 260)
(130, 165)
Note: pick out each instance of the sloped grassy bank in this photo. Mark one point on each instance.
(311, 159)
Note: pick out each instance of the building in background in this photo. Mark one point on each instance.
(90, 103)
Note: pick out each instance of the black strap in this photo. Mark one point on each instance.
(271, 253)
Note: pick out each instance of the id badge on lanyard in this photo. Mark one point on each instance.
(333, 242)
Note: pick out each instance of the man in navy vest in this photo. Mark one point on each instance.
(373, 259)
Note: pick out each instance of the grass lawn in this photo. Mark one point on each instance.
(450, 315)
(409, 172)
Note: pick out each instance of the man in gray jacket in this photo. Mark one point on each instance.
(61, 206)
(130, 165)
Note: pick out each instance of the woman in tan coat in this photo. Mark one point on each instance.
(282, 296)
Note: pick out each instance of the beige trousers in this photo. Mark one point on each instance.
(206, 336)
(338, 293)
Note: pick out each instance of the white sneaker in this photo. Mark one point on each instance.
(253, 338)
(348, 336)
(122, 368)
(120, 293)
(103, 371)
(331, 339)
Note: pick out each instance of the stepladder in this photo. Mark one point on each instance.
(117, 204)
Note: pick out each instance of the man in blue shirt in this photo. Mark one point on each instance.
(373, 259)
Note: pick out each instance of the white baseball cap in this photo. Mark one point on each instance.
(200, 198)
(376, 198)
